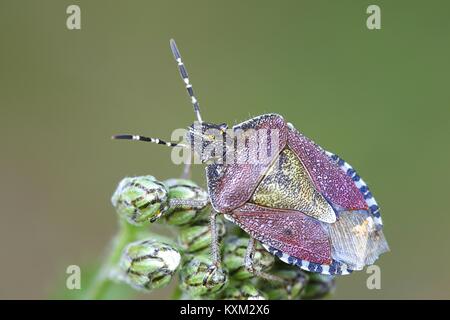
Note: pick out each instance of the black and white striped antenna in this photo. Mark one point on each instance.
(185, 77)
(146, 139)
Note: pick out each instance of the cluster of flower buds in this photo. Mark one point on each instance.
(147, 264)
(199, 277)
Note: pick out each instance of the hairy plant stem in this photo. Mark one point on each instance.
(102, 281)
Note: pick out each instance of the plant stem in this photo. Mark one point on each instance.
(177, 293)
(102, 281)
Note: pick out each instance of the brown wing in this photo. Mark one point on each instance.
(289, 231)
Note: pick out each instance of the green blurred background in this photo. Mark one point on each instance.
(380, 99)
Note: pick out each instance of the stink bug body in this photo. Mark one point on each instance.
(305, 205)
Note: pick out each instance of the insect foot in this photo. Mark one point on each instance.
(148, 264)
(140, 200)
(200, 277)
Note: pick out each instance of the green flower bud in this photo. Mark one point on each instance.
(149, 264)
(140, 200)
(246, 291)
(234, 256)
(194, 202)
(319, 286)
(198, 236)
(199, 277)
(294, 283)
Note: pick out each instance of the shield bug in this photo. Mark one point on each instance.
(305, 205)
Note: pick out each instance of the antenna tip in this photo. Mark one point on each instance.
(173, 47)
(122, 136)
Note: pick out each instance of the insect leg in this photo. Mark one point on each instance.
(215, 252)
(187, 203)
(249, 265)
